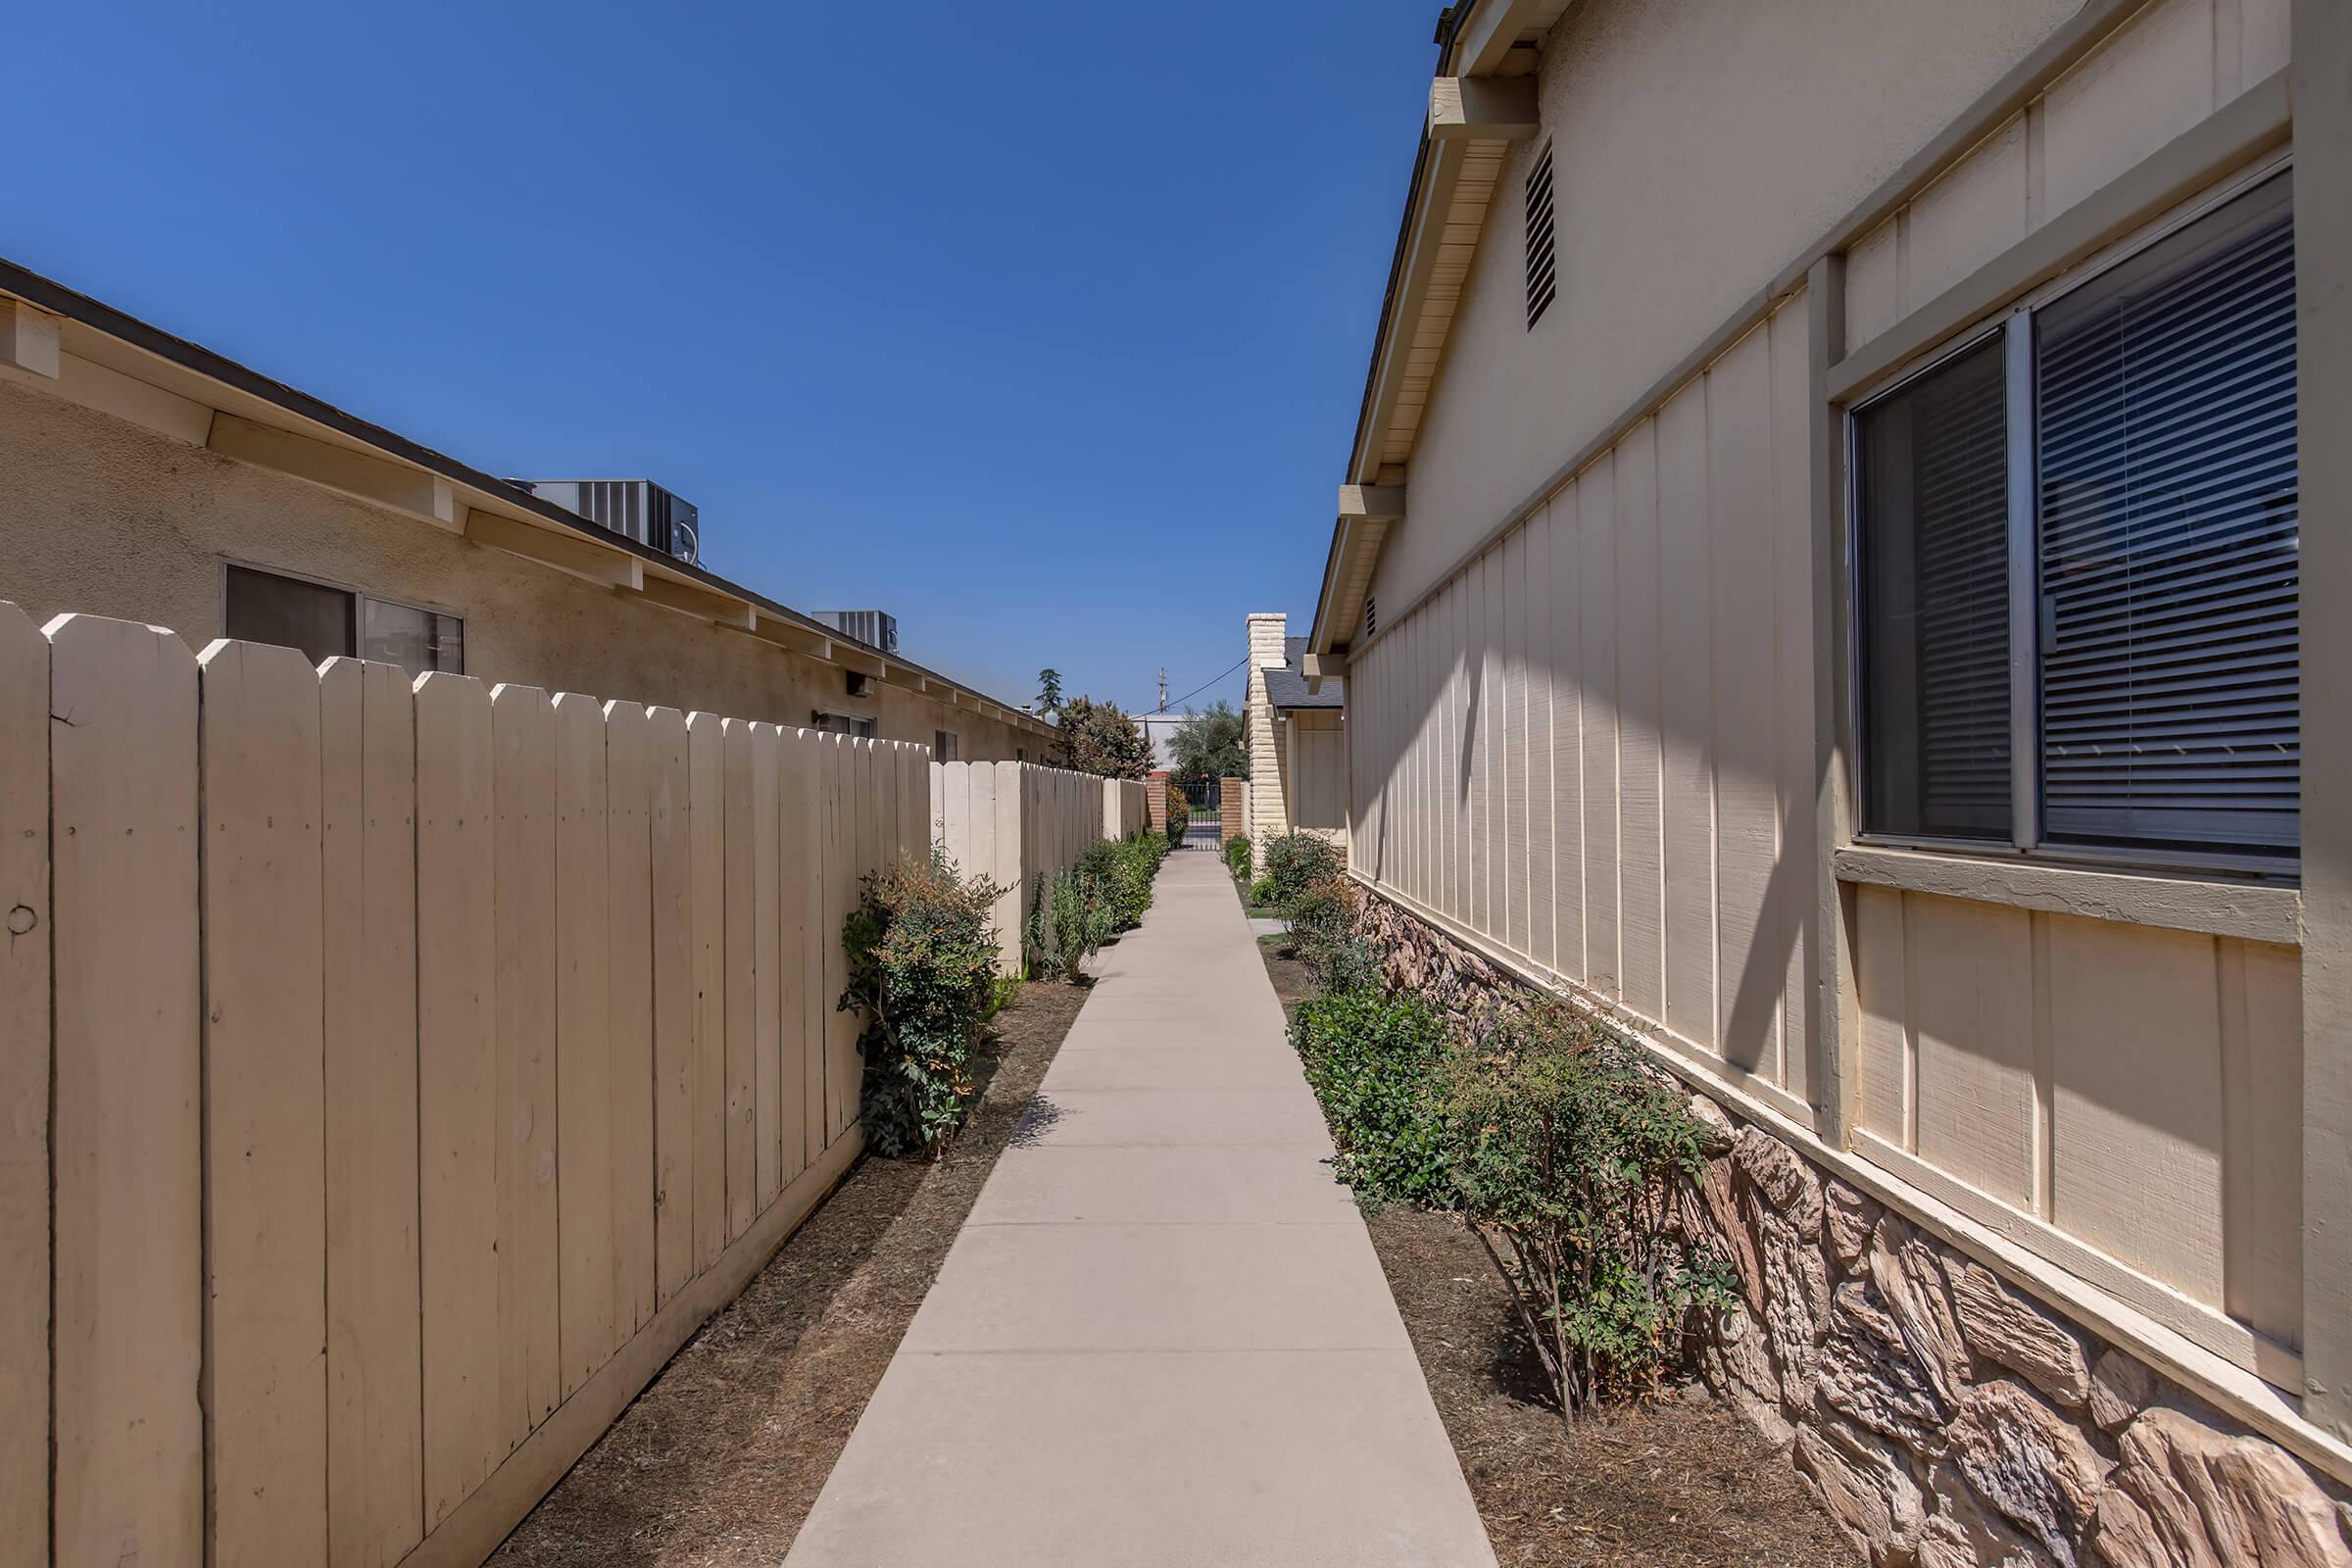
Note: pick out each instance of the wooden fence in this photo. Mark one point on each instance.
(1016, 823)
(391, 1078)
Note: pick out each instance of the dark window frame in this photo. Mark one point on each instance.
(356, 616)
(2013, 334)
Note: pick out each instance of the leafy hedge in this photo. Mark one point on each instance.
(922, 964)
(1074, 911)
(1237, 857)
(1563, 1150)
(1547, 1135)
(1374, 1062)
(1298, 861)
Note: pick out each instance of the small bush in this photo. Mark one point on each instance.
(1180, 816)
(1261, 892)
(1298, 861)
(1237, 857)
(1563, 1152)
(1374, 1062)
(1121, 875)
(923, 966)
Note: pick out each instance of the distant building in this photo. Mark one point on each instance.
(1295, 732)
(154, 480)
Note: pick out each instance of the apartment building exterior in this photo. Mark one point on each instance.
(1819, 580)
(153, 481)
(1297, 740)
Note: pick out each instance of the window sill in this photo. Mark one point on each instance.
(2247, 912)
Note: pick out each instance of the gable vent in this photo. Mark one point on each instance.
(1540, 281)
(1371, 617)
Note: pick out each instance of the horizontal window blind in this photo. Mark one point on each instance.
(2168, 557)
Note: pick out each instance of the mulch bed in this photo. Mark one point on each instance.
(1680, 1481)
(722, 1457)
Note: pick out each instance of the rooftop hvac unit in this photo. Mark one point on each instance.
(875, 628)
(635, 509)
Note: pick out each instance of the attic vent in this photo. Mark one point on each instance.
(1371, 617)
(1540, 281)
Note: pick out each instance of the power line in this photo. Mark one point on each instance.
(1207, 684)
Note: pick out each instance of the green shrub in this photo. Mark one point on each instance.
(1375, 1063)
(1237, 857)
(1261, 892)
(923, 966)
(1563, 1152)
(1298, 861)
(1180, 816)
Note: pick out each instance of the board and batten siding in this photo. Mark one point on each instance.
(1608, 774)
(1592, 747)
(394, 1074)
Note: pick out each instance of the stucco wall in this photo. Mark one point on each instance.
(103, 517)
(1701, 149)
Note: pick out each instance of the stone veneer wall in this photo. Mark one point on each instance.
(1943, 1418)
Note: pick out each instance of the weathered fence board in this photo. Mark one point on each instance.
(629, 942)
(740, 980)
(128, 1477)
(456, 1081)
(374, 1445)
(706, 829)
(670, 936)
(265, 1101)
(805, 830)
(522, 726)
(767, 1049)
(23, 1090)
(791, 937)
(583, 1044)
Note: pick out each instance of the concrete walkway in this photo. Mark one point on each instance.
(1162, 1338)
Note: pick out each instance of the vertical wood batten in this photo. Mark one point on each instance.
(374, 1445)
(25, 920)
(128, 1466)
(457, 1074)
(264, 1106)
(805, 825)
(793, 932)
(2321, 83)
(522, 729)
(669, 837)
(1835, 1012)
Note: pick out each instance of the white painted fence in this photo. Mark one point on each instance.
(483, 1038)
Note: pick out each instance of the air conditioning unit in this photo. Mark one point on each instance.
(875, 628)
(634, 509)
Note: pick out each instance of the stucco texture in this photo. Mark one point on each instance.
(100, 515)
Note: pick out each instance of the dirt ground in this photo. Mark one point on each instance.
(1683, 1481)
(722, 1457)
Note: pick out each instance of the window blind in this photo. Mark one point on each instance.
(2169, 558)
(1936, 602)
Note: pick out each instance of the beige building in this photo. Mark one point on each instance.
(1297, 740)
(1819, 578)
(153, 481)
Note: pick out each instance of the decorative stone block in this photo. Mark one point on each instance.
(2004, 1327)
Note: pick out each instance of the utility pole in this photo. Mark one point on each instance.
(1164, 688)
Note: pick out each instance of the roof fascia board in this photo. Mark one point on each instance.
(1484, 39)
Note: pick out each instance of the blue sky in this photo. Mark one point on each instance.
(1043, 328)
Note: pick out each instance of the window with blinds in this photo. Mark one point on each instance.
(2170, 667)
(2104, 654)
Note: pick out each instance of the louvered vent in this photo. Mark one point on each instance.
(1371, 617)
(2170, 564)
(1539, 278)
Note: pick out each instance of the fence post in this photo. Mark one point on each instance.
(25, 1084)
